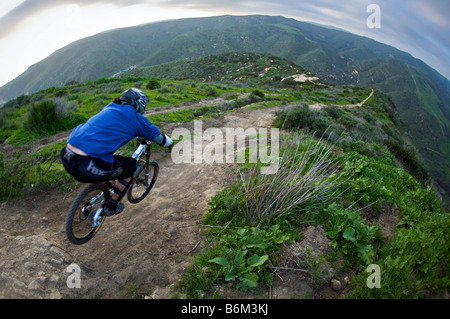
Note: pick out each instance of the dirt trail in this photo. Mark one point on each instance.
(318, 106)
(141, 252)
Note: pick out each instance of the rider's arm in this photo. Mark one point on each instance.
(149, 131)
(163, 140)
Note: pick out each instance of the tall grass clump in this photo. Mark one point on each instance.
(308, 178)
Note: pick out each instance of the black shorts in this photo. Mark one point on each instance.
(87, 169)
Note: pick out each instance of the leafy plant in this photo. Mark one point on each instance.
(240, 257)
(241, 268)
(350, 233)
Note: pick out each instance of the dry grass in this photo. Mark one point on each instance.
(306, 180)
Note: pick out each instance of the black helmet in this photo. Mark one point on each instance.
(135, 98)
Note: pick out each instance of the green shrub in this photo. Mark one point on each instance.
(296, 118)
(334, 111)
(348, 121)
(153, 84)
(212, 92)
(42, 117)
(407, 157)
(258, 93)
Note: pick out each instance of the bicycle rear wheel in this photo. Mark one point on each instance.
(80, 224)
(143, 182)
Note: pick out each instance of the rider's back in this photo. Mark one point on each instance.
(110, 129)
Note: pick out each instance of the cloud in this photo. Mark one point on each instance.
(418, 27)
(10, 21)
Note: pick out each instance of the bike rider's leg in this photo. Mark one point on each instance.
(122, 187)
(125, 168)
(115, 206)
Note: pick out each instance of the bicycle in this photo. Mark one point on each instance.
(85, 216)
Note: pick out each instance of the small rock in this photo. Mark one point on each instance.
(36, 284)
(55, 294)
(29, 265)
(336, 285)
(346, 280)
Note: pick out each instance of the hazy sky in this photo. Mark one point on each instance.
(30, 30)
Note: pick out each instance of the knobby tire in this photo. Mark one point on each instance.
(142, 181)
(76, 217)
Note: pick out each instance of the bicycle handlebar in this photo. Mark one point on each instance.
(144, 141)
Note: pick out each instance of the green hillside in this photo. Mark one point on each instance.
(233, 67)
(343, 167)
(421, 94)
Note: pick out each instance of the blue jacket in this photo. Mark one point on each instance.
(113, 127)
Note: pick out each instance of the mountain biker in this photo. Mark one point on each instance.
(89, 153)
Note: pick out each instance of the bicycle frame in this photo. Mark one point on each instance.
(144, 146)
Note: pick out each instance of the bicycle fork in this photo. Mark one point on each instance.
(143, 147)
(96, 219)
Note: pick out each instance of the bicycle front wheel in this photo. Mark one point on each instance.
(80, 223)
(143, 182)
